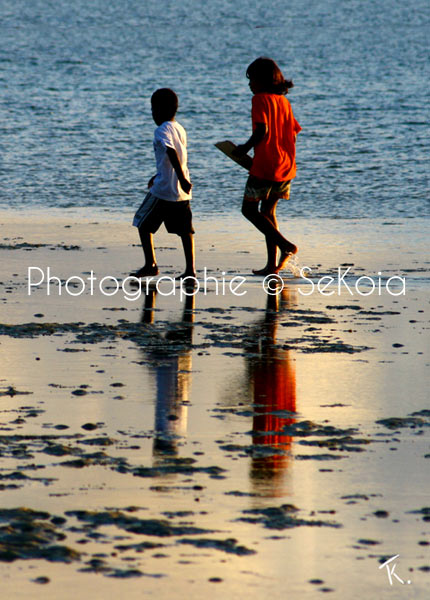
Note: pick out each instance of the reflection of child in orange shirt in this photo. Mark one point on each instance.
(274, 389)
(273, 379)
(274, 383)
(274, 166)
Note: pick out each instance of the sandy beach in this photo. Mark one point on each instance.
(238, 436)
(214, 444)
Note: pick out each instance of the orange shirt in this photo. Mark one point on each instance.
(274, 156)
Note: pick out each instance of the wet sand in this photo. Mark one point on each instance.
(214, 444)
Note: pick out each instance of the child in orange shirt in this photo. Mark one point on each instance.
(273, 167)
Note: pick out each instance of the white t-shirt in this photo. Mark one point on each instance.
(166, 186)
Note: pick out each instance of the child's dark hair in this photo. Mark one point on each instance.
(166, 102)
(269, 75)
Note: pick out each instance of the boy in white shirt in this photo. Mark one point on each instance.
(168, 200)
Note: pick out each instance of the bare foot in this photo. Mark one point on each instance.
(285, 256)
(145, 271)
(265, 271)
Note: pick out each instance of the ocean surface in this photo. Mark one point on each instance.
(76, 79)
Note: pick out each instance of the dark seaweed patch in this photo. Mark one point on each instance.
(11, 391)
(254, 450)
(28, 535)
(323, 457)
(155, 527)
(282, 517)
(224, 336)
(403, 422)
(337, 347)
(421, 413)
(230, 546)
(176, 465)
(309, 428)
(425, 512)
(19, 477)
(140, 547)
(345, 443)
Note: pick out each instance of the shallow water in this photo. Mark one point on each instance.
(76, 128)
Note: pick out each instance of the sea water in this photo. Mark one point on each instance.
(76, 79)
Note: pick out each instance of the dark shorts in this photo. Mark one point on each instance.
(176, 216)
(261, 189)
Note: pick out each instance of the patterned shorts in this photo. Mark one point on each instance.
(153, 211)
(261, 189)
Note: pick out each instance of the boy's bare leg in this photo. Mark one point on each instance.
(150, 266)
(272, 234)
(188, 245)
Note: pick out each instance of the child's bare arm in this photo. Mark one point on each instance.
(256, 137)
(173, 157)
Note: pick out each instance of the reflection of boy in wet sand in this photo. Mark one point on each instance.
(171, 357)
(168, 200)
(273, 380)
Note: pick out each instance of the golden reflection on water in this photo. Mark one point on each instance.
(171, 364)
(272, 378)
(269, 375)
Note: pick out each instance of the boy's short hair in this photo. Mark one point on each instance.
(166, 102)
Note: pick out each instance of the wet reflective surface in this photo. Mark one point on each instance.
(173, 445)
